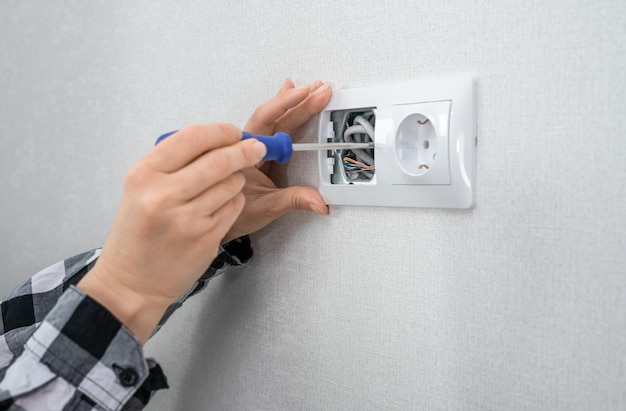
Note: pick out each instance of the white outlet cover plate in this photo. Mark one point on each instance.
(419, 163)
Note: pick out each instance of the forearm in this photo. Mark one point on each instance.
(139, 314)
(144, 317)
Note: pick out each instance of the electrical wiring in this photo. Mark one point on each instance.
(358, 164)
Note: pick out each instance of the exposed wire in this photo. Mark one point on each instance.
(352, 162)
(359, 128)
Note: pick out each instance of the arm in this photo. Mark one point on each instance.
(164, 267)
(88, 348)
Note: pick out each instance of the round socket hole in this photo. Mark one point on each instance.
(416, 144)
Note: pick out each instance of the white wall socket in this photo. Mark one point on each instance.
(424, 154)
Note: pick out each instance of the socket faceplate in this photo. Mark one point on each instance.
(425, 145)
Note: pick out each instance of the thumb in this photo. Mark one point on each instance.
(298, 198)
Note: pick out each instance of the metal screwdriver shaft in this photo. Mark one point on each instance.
(331, 146)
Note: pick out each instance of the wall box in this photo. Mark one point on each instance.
(424, 145)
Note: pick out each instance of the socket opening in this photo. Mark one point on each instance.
(416, 144)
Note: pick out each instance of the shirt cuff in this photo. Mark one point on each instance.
(84, 344)
(235, 252)
(232, 254)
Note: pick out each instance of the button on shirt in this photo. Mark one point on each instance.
(62, 350)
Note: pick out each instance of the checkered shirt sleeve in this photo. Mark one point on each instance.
(61, 350)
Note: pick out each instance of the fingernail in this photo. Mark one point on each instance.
(318, 210)
(322, 89)
(259, 149)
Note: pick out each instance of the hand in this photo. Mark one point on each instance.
(178, 203)
(287, 111)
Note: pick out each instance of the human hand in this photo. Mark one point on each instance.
(178, 203)
(287, 111)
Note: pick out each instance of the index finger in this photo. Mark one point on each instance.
(189, 143)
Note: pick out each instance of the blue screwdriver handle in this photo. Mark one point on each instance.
(279, 146)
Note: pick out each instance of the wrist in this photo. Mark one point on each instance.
(139, 314)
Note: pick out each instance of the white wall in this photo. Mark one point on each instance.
(517, 304)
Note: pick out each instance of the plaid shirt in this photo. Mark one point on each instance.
(61, 350)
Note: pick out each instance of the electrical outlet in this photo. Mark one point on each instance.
(424, 136)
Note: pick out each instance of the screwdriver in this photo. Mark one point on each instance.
(280, 147)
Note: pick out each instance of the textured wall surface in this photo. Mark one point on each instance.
(517, 304)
